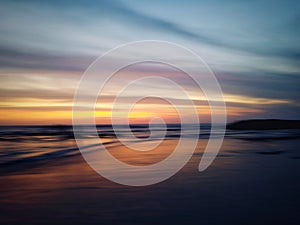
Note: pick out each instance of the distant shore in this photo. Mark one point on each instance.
(67, 129)
(264, 124)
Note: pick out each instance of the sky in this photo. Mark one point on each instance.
(252, 47)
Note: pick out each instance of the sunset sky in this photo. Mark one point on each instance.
(253, 48)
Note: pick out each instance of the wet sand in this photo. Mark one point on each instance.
(250, 182)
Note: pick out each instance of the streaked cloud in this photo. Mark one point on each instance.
(252, 47)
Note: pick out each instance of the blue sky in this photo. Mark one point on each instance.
(253, 48)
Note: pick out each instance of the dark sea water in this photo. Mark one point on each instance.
(255, 179)
(31, 143)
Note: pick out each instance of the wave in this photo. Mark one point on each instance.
(35, 143)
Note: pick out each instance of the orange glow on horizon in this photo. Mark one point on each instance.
(56, 111)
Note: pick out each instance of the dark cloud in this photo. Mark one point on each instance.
(261, 84)
(24, 59)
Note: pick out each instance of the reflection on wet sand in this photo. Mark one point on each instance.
(240, 182)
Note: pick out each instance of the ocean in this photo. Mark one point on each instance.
(44, 179)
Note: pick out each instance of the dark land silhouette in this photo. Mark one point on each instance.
(264, 124)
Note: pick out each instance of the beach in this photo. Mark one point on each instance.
(122, 112)
(250, 182)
